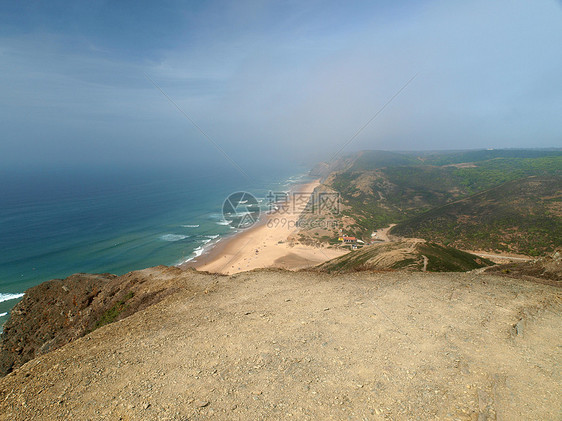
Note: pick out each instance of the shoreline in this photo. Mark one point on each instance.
(265, 245)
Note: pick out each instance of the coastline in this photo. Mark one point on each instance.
(265, 245)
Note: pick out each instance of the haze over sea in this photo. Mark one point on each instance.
(56, 223)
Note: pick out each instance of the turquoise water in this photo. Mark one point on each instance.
(56, 223)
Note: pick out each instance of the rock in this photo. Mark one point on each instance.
(519, 327)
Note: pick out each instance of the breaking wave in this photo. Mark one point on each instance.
(173, 237)
(8, 297)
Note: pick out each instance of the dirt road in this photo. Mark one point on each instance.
(382, 234)
(502, 258)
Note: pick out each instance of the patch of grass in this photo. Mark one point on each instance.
(404, 263)
(110, 315)
(448, 259)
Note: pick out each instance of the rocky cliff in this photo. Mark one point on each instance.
(61, 310)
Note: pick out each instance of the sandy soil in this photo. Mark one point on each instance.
(283, 345)
(501, 257)
(265, 245)
(382, 234)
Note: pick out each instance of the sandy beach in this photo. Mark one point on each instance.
(265, 244)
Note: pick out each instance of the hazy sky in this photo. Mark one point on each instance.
(277, 79)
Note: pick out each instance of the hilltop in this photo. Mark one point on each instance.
(412, 255)
(271, 344)
(60, 311)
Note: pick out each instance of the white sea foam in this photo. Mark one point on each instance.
(202, 248)
(296, 178)
(198, 251)
(173, 237)
(242, 213)
(8, 297)
(223, 222)
(191, 226)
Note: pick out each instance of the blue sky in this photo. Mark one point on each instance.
(274, 80)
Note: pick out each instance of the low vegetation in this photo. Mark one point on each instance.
(111, 315)
(521, 216)
(504, 200)
(410, 255)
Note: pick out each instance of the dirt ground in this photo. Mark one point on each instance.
(271, 344)
(382, 234)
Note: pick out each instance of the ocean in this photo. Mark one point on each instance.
(58, 222)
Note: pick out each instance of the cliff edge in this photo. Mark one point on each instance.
(59, 311)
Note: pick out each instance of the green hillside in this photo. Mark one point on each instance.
(521, 216)
(381, 188)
